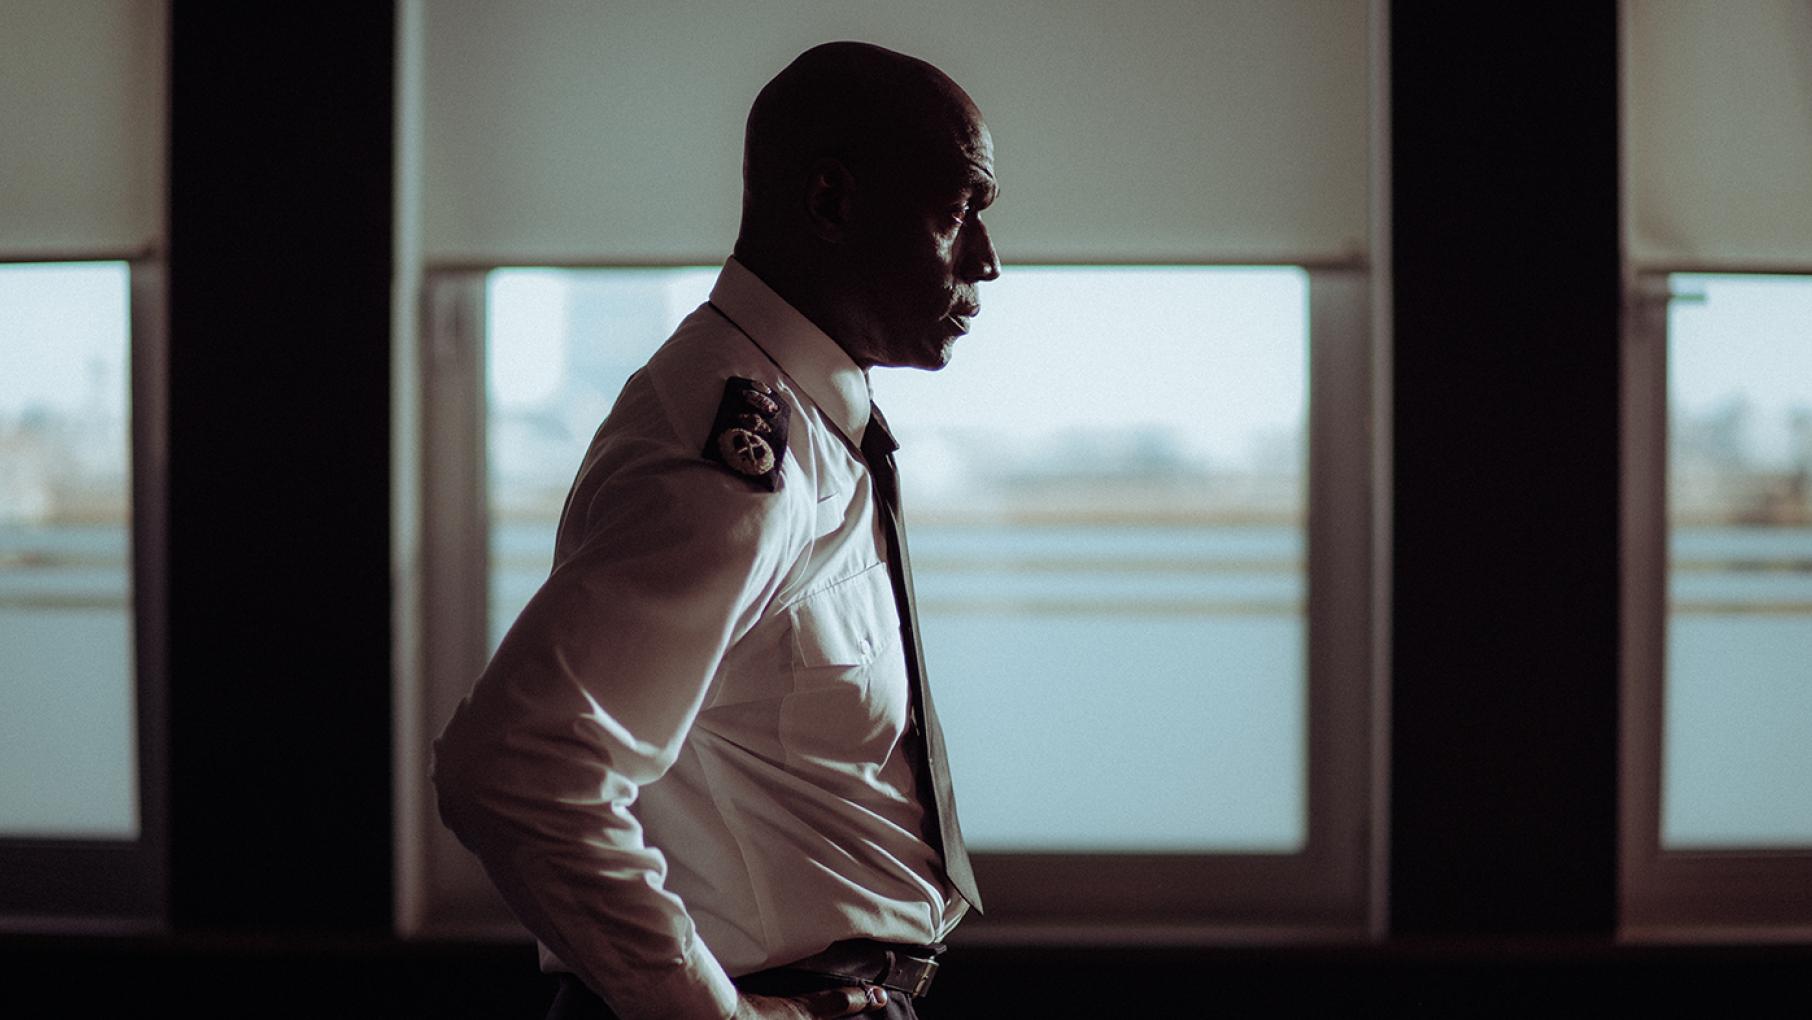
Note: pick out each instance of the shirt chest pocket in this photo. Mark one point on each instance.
(848, 699)
(845, 624)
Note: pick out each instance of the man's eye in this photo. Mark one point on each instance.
(959, 213)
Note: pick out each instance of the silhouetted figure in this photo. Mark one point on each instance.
(704, 767)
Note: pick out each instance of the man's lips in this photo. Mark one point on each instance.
(961, 318)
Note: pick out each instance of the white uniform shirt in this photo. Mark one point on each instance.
(728, 661)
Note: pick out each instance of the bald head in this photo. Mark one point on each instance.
(865, 173)
(874, 110)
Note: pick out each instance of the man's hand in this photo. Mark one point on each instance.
(831, 1002)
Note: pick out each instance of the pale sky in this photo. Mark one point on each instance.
(1209, 355)
(1749, 339)
(63, 329)
(1750, 336)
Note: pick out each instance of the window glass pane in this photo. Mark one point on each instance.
(1105, 493)
(560, 345)
(1738, 703)
(68, 739)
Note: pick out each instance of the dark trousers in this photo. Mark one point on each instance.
(574, 1001)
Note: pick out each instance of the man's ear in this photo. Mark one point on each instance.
(830, 199)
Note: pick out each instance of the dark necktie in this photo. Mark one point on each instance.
(877, 449)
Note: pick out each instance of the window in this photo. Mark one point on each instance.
(1106, 503)
(78, 821)
(1724, 693)
(67, 740)
(559, 344)
(1739, 684)
(1115, 550)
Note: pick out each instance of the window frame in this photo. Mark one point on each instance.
(94, 886)
(1665, 894)
(1322, 892)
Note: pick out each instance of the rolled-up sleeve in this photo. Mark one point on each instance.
(590, 697)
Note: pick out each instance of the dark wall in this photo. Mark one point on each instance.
(279, 479)
(1507, 299)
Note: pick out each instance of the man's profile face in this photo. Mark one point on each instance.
(922, 250)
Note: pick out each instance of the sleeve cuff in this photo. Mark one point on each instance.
(698, 990)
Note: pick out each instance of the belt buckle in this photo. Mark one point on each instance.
(912, 973)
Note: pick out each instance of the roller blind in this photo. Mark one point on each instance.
(612, 132)
(81, 128)
(1718, 114)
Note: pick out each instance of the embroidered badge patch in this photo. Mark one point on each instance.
(749, 435)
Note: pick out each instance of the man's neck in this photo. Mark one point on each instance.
(798, 282)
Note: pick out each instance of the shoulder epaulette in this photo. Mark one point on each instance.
(749, 434)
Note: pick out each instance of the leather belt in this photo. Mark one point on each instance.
(896, 966)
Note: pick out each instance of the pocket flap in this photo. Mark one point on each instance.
(847, 623)
(832, 509)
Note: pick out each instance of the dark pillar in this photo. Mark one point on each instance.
(1505, 255)
(279, 387)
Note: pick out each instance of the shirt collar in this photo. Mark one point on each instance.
(804, 352)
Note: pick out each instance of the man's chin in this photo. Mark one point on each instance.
(936, 359)
(928, 357)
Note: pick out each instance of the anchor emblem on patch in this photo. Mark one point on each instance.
(749, 434)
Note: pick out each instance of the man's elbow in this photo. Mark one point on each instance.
(457, 770)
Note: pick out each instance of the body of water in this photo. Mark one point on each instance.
(1101, 688)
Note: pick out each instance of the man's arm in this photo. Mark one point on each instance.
(589, 698)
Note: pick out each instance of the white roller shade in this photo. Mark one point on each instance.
(81, 127)
(1189, 131)
(1718, 108)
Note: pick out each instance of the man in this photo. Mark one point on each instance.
(703, 767)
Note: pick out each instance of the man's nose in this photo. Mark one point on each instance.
(980, 261)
